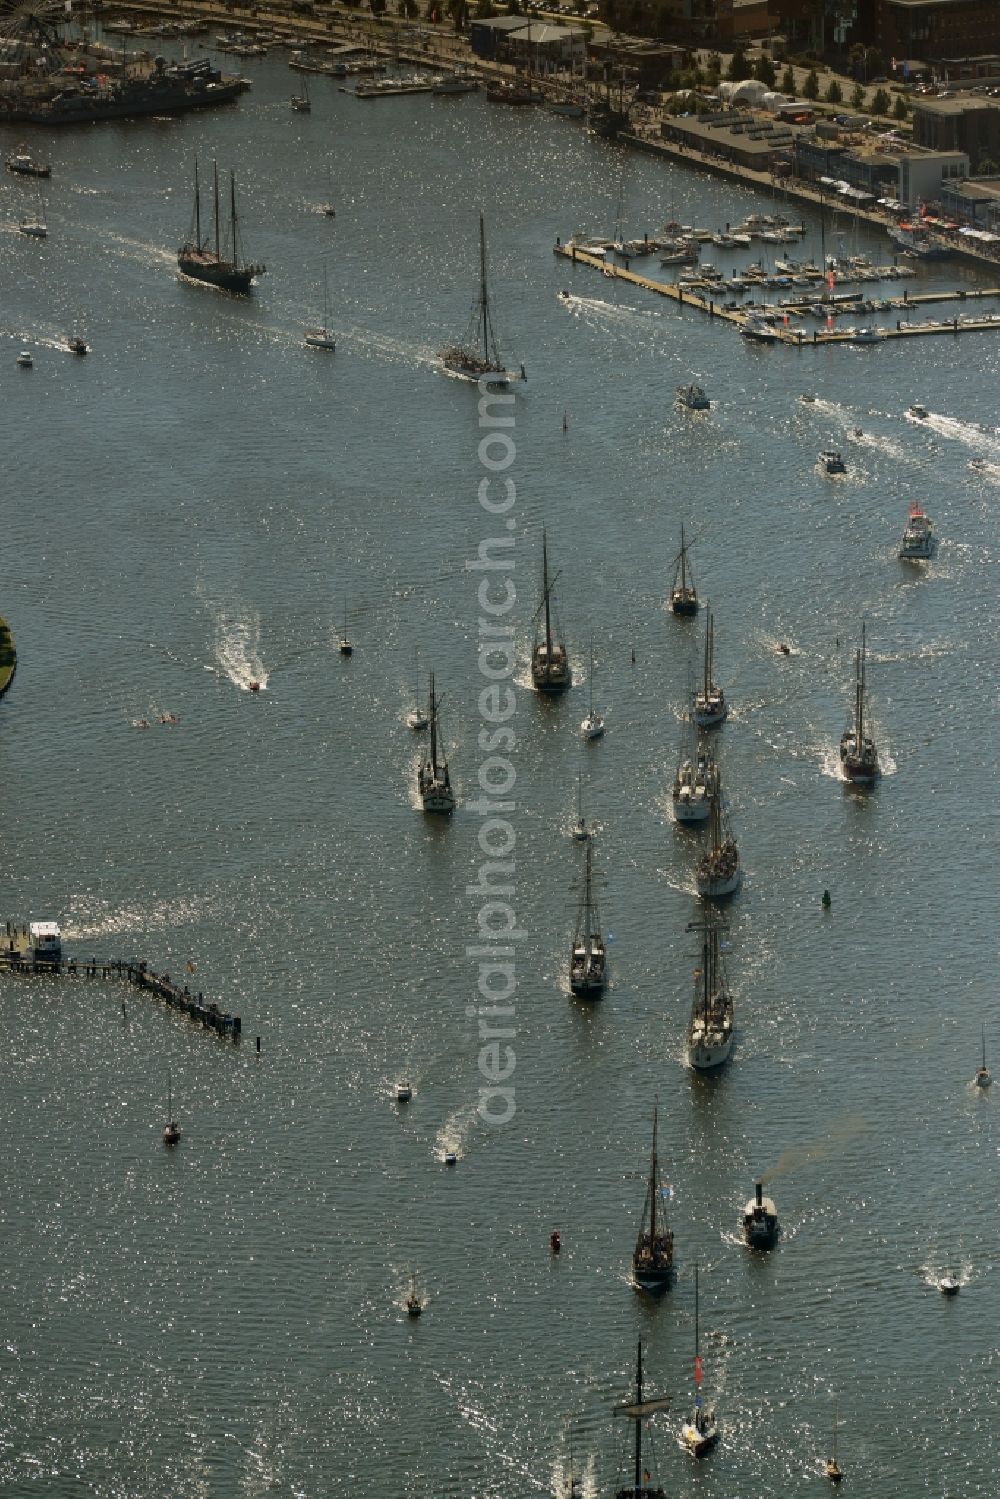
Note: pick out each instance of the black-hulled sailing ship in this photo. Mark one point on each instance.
(683, 595)
(588, 959)
(433, 777)
(710, 1030)
(210, 259)
(710, 700)
(858, 755)
(653, 1256)
(478, 358)
(639, 1411)
(550, 668)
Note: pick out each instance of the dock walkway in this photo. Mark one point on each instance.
(17, 957)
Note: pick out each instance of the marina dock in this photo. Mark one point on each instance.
(18, 956)
(798, 337)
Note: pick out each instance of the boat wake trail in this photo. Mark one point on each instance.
(979, 439)
(389, 348)
(451, 1138)
(140, 250)
(237, 651)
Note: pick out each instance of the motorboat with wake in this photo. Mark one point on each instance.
(917, 544)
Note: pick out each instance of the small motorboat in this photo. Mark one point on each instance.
(417, 720)
(983, 1077)
(857, 434)
(832, 462)
(34, 228)
(254, 686)
(403, 1093)
(345, 647)
(555, 1241)
(564, 296)
(450, 1158)
(783, 649)
(592, 727)
(809, 399)
(414, 1306)
(917, 544)
(328, 211)
(918, 412)
(24, 360)
(77, 345)
(693, 398)
(171, 1133)
(949, 1286)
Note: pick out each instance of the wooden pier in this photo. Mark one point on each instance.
(17, 957)
(797, 337)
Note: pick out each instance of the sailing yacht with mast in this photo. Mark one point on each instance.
(171, 1130)
(833, 1469)
(321, 337)
(204, 261)
(580, 830)
(302, 102)
(592, 726)
(683, 595)
(433, 778)
(588, 959)
(718, 873)
(550, 668)
(640, 1410)
(695, 784)
(479, 357)
(700, 1434)
(858, 755)
(710, 1031)
(346, 648)
(983, 1076)
(653, 1256)
(710, 706)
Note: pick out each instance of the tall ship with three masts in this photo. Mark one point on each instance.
(479, 357)
(433, 777)
(683, 594)
(718, 872)
(710, 1031)
(588, 959)
(550, 668)
(858, 755)
(710, 706)
(653, 1256)
(210, 259)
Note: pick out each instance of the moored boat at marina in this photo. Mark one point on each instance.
(479, 357)
(208, 260)
(858, 754)
(917, 544)
(653, 1255)
(550, 668)
(710, 1029)
(23, 164)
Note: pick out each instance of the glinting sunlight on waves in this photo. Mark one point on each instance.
(186, 509)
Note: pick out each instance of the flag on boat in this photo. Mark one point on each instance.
(697, 1368)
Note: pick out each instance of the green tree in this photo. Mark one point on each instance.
(881, 103)
(810, 89)
(858, 97)
(764, 71)
(788, 81)
(834, 94)
(874, 63)
(738, 68)
(986, 167)
(900, 110)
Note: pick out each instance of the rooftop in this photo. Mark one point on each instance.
(960, 104)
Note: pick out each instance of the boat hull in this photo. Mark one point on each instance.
(698, 1443)
(690, 811)
(318, 338)
(685, 604)
(473, 373)
(716, 887)
(706, 1053)
(221, 274)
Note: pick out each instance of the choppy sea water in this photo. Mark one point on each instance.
(191, 508)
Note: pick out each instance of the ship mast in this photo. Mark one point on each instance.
(859, 711)
(483, 295)
(197, 207)
(683, 562)
(433, 717)
(232, 216)
(215, 166)
(638, 1424)
(545, 587)
(653, 1188)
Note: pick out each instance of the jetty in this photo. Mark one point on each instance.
(739, 317)
(37, 949)
(8, 656)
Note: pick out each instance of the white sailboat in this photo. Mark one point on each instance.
(592, 726)
(833, 1469)
(433, 777)
(710, 707)
(171, 1130)
(700, 1434)
(322, 338)
(479, 357)
(588, 971)
(718, 872)
(710, 1030)
(983, 1076)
